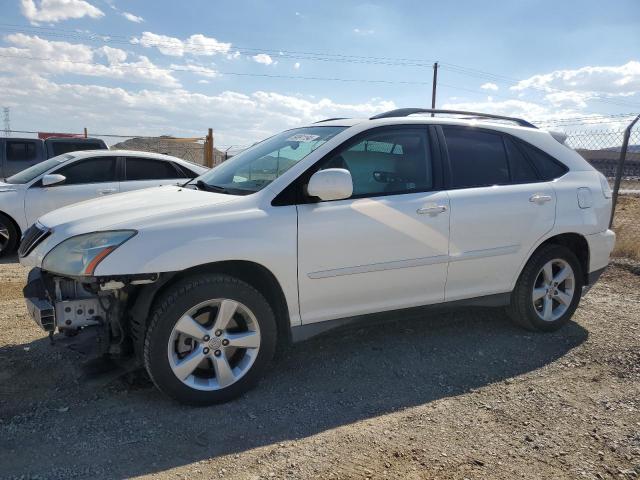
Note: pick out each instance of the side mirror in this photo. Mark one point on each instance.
(52, 179)
(331, 184)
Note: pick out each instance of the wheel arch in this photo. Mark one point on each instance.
(255, 274)
(575, 242)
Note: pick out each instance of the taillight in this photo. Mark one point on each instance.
(606, 189)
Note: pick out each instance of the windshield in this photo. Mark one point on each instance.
(25, 176)
(258, 166)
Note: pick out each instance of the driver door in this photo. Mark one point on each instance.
(384, 248)
(85, 179)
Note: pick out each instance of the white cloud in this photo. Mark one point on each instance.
(239, 118)
(197, 44)
(263, 58)
(531, 111)
(52, 11)
(296, 65)
(489, 86)
(620, 80)
(32, 55)
(196, 69)
(113, 55)
(512, 108)
(132, 18)
(363, 31)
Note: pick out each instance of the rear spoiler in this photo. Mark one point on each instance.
(559, 136)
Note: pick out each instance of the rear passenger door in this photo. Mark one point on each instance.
(140, 172)
(500, 207)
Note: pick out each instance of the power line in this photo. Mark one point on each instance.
(313, 56)
(513, 82)
(317, 56)
(206, 70)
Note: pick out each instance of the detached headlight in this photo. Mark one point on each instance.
(80, 255)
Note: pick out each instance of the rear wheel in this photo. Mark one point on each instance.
(8, 235)
(209, 339)
(548, 290)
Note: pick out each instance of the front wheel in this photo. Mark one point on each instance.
(8, 235)
(209, 339)
(548, 290)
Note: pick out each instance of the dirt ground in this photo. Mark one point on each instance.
(627, 227)
(462, 394)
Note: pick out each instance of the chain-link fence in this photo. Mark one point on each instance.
(192, 149)
(604, 150)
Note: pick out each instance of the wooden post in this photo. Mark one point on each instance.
(85, 132)
(208, 149)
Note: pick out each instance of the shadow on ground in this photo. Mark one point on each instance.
(9, 258)
(337, 379)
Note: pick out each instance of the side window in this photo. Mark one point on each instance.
(397, 161)
(21, 151)
(148, 169)
(521, 169)
(547, 167)
(93, 170)
(477, 158)
(184, 172)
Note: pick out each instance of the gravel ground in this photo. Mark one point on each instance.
(461, 394)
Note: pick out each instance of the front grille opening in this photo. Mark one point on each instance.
(32, 238)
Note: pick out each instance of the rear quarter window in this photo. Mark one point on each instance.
(548, 167)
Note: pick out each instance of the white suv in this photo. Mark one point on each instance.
(316, 227)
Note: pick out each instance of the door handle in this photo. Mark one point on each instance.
(432, 210)
(540, 198)
(106, 191)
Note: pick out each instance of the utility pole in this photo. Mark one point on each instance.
(208, 149)
(433, 88)
(7, 121)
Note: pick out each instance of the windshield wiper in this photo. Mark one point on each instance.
(210, 188)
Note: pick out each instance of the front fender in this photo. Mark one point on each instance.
(266, 237)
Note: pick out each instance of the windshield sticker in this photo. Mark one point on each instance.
(303, 137)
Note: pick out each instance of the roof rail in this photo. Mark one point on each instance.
(329, 119)
(405, 112)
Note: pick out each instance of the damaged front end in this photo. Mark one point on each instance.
(89, 305)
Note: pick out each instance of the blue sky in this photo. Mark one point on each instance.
(151, 67)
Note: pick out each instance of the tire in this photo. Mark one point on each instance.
(224, 371)
(563, 297)
(8, 235)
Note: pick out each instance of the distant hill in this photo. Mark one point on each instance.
(190, 151)
(630, 149)
(606, 160)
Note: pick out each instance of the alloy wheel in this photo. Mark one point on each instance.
(214, 344)
(4, 236)
(553, 290)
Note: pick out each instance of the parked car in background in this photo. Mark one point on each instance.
(17, 154)
(318, 226)
(77, 176)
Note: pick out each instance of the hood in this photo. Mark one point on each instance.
(130, 209)
(10, 187)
